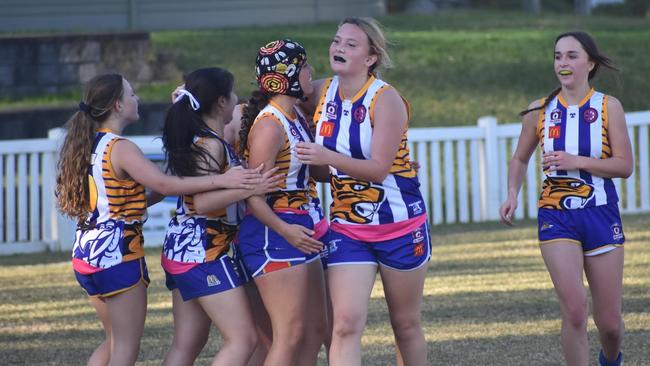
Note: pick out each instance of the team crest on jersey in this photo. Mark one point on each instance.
(617, 231)
(294, 131)
(418, 235)
(590, 115)
(327, 129)
(359, 113)
(556, 116)
(331, 110)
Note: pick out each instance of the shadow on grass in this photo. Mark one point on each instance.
(543, 350)
(34, 258)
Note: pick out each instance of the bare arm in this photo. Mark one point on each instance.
(153, 198)
(213, 200)
(265, 140)
(528, 142)
(620, 164)
(389, 124)
(128, 161)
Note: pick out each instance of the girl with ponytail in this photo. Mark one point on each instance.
(276, 239)
(205, 282)
(583, 137)
(101, 180)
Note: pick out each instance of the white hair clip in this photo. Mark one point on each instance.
(193, 102)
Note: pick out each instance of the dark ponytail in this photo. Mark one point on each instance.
(183, 123)
(255, 104)
(589, 45)
(547, 100)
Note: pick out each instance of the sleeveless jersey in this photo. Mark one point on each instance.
(294, 189)
(579, 130)
(361, 209)
(315, 210)
(192, 238)
(112, 232)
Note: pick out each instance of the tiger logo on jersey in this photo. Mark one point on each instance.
(219, 235)
(354, 200)
(565, 193)
(184, 239)
(101, 245)
(288, 199)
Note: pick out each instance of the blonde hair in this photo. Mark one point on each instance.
(72, 192)
(376, 40)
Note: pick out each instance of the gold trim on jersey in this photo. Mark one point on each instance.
(361, 91)
(319, 106)
(584, 100)
(607, 150)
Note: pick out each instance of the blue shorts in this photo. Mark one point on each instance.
(324, 253)
(238, 258)
(596, 229)
(116, 279)
(405, 253)
(206, 278)
(263, 250)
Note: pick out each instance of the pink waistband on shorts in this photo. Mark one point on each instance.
(373, 233)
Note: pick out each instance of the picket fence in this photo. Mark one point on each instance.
(463, 176)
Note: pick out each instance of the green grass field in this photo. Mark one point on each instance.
(488, 300)
(453, 66)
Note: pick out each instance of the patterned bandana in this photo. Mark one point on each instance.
(278, 65)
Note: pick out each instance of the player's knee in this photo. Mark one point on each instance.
(610, 326)
(575, 313)
(405, 325)
(346, 325)
(245, 339)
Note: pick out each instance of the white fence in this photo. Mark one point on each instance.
(463, 179)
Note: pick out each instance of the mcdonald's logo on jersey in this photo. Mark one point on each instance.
(554, 132)
(327, 129)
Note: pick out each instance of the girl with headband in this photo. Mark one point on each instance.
(204, 280)
(101, 180)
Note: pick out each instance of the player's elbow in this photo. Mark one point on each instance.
(627, 170)
(200, 207)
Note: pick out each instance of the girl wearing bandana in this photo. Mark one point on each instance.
(275, 240)
(584, 141)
